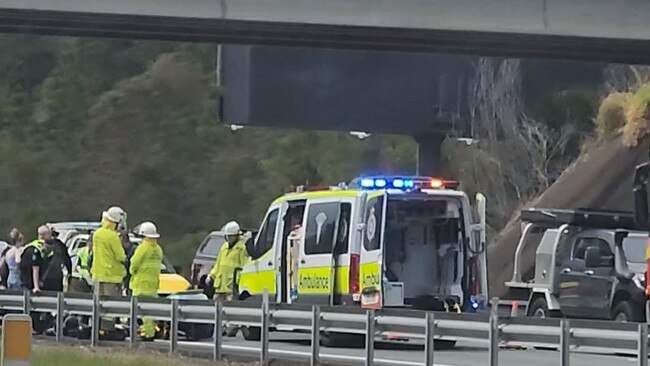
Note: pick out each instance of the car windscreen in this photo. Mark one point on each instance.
(212, 244)
(634, 248)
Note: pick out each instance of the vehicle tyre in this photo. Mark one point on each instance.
(251, 333)
(625, 312)
(539, 309)
(333, 339)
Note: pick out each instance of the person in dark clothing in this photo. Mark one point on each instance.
(33, 260)
(53, 276)
(129, 250)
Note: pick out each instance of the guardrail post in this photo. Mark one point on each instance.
(642, 356)
(429, 344)
(494, 332)
(133, 322)
(27, 302)
(60, 304)
(218, 316)
(565, 342)
(315, 335)
(370, 337)
(264, 339)
(173, 328)
(94, 329)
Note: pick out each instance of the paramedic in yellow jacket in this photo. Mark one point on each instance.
(108, 258)
(145, 272)
(231, 256)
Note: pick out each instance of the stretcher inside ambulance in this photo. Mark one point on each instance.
(427, 247)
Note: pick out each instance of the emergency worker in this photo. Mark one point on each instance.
(129, 250)
(145, 272)
(81, 277)
(107, 267)
(232, 256)
(32, 262)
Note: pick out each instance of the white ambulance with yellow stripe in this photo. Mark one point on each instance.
(411, 242)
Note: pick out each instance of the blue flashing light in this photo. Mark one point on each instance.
(398, 183)
(408, 184)
(380, 183)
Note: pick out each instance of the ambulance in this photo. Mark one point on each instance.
(376, 242)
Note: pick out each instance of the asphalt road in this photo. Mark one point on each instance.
(287, 346)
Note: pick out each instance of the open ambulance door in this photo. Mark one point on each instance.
(478, 247)
(372, 251)
(316, 266)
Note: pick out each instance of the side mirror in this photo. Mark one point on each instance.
(592, 257)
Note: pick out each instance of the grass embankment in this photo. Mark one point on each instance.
(77, 356)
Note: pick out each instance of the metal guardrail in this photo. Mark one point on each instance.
(492, 329)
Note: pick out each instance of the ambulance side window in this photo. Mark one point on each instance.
(266, 235)
(372, 234)
(321, 224)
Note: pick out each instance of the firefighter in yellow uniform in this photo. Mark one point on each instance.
(108, 259)
(145, 272)
(231, 257)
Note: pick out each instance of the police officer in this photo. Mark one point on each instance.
(108, 259)
(145, 272)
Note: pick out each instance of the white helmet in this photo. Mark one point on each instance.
(115, 214)
(231, 228)
(148, 230)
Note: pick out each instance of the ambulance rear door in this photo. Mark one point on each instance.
(316, 261)
(371, 255)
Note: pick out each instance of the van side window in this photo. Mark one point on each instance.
(321, 227)
(267, 234)
(583, 243)
(372, 234)
(343, 236)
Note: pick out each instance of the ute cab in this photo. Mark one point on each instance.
(377, 242)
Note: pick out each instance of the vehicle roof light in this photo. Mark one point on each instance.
(404, 183)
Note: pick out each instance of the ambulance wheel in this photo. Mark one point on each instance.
(251, 333)
(333, 339)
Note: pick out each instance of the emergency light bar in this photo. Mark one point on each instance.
(403, 183)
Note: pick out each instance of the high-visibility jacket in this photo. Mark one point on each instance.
(108, 255)
(83, 263)
(145, 268)
(224, 267)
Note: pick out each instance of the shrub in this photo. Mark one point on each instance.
(611, 114)
(637, 115)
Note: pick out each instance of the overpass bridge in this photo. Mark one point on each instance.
(597, 30)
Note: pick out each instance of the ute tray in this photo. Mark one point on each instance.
(588, 218)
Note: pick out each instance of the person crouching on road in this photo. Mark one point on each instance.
(145, 272)
(108, 259)
(232, 256)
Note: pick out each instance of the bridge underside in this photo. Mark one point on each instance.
(380, 32)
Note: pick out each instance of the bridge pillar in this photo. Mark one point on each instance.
(429, 162)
